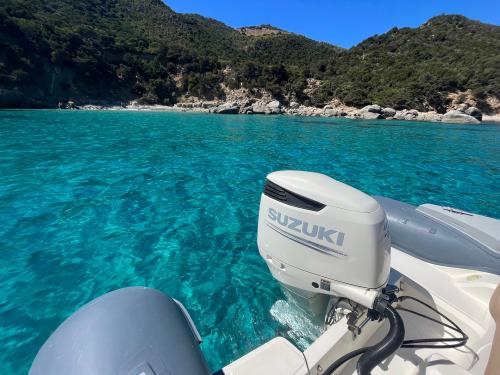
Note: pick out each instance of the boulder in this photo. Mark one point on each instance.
(389, 112)
(367, 115)
(429, 116)
(330, 112)
(458, 117)
(227, 109)
(294, 105)
(400, 115)
(474, 112)
(407, 115)
(374, 108)
(260, 108)
(274, 107)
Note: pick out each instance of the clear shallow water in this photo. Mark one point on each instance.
(94, 201)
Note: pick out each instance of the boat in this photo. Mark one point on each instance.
(401, 290)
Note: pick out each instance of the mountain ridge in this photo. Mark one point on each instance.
(121, 50)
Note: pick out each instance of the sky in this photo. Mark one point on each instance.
(341, 22)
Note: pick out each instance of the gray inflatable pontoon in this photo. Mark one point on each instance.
(444, 236)
(131, 331)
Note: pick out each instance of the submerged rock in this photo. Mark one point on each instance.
(458, 117)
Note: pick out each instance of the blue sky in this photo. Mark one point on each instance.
(340, 22)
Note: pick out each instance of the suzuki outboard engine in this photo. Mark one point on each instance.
(322, 236)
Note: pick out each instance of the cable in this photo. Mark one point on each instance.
(459, 341)
(307, 364)
(373, 355)
(455, 342)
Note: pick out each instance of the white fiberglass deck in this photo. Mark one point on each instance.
(462, 295)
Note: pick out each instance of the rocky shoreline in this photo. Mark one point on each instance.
(464, 114)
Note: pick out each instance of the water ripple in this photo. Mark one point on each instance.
(93, 201)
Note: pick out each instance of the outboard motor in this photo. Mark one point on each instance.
(131, 331)
(322, 236)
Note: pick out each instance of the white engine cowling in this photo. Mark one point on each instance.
(320, 235)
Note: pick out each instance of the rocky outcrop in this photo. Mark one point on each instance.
(274, 107)
(429, 117)
(369, 116)
(303, 110)
(373, 108)
(261, 30)
(459, 117)
(406, 114)
(265, 108)
(474, 112)
(370, 112)
(328, 111)
(260, 109)
(244, 101)
(227, 109)
(388, 112)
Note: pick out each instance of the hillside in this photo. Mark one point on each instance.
(119, 50)
(418, 67)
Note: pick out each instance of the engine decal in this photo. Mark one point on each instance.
(307, 243)
(321, 233)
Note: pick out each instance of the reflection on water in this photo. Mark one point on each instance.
(94, 201)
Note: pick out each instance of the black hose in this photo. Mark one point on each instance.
(339, 362)
(373, 355)
(392, 342)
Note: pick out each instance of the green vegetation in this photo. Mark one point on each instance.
(416, 68)
(118, 50)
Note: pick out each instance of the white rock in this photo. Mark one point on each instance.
(373, 108)
(457, 117)
(274, 107)
(366, 115)
(260, 108)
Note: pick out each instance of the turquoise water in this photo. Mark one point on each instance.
(94, 201)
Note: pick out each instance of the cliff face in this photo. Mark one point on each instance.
(110, 51)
